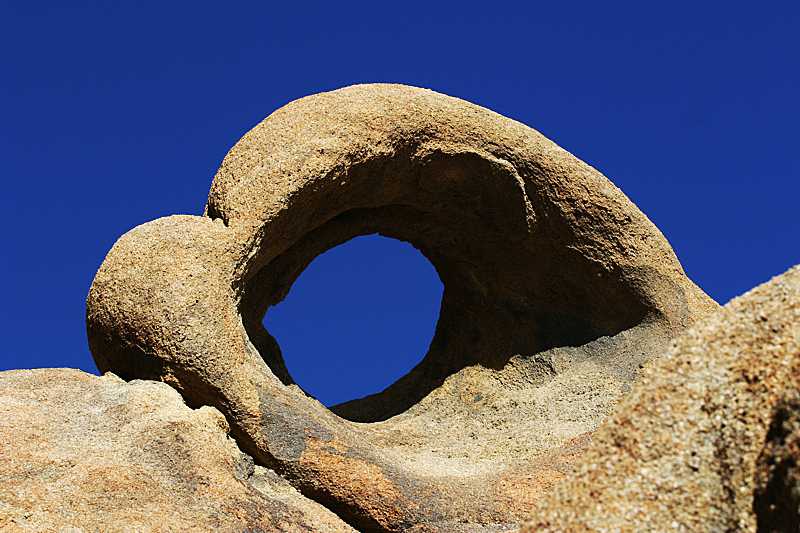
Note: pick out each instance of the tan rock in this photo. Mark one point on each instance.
(81, 453)
(709, 441)
(556, 290)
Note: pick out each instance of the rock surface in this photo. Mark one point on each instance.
(81, 453)
(710, 441)
(556, 290)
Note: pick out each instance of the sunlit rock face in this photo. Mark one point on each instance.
(557, 290)
(710, 439)
(81, 453)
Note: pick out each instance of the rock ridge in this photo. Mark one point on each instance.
(81, 453)
(709, 440)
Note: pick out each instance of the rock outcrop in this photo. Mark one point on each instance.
(556, 290)
(710, 440)
(87, 454)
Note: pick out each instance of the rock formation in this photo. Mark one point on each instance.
(556, 291)
(710, 440)
(81, 453)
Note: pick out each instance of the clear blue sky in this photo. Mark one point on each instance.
(117, 113)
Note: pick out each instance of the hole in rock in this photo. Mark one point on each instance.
(358, 318)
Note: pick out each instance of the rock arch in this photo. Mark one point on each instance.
(554, 284)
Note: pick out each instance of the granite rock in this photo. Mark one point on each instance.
(81, 453)
(710, 439)
(557, 289)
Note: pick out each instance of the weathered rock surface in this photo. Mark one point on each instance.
(81, 453)
(710, 441)
(556, 290)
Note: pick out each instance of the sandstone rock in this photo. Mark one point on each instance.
(710, 440)
(556, 290)
(81, 453)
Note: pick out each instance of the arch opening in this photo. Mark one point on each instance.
(358, 318)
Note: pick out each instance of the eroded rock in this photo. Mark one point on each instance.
(709, 441)
(556, 290)
(81, 453)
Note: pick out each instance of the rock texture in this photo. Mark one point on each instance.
(81, 453)
(556, 290)
(710, 441)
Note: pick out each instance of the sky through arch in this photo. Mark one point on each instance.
(358, 318)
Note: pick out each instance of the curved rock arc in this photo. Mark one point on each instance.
(553, 281)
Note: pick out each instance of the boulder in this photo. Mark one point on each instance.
(81, 453)
(710, 440)
(557, 289)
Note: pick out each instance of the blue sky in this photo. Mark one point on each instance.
(117, 113)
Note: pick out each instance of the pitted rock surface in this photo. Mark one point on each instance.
(710, 439)
(556, 290)
(87, 454)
